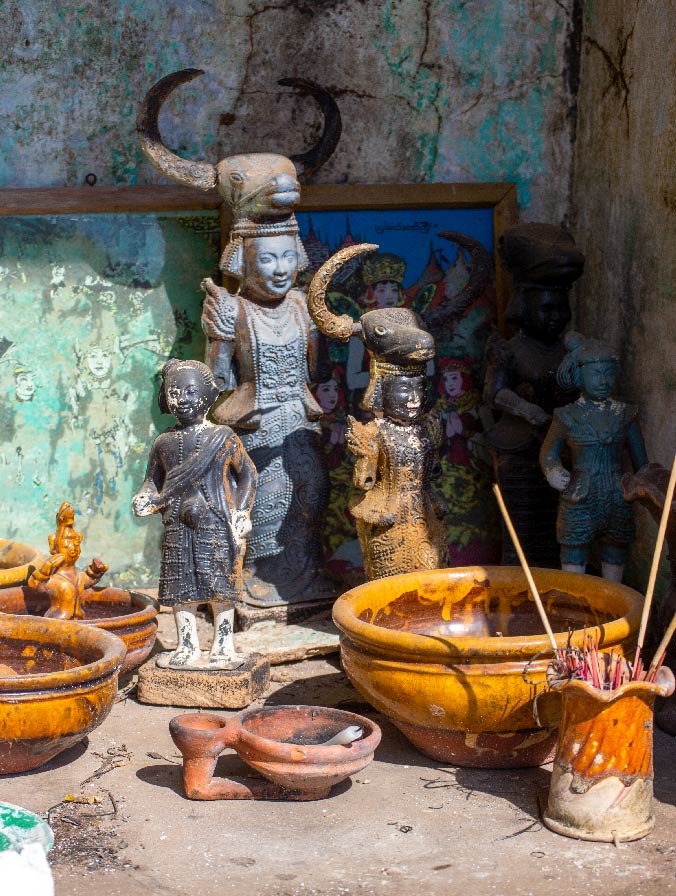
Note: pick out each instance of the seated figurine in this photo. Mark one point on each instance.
(58, 579)
(202, 481)
(596, 429)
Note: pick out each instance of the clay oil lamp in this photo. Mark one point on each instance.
(57, 683)
(301, 752)
(455, 657)
(17, 562)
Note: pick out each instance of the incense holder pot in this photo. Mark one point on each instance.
(455, 657)
(57, 683)
(285, 744)
(602, 780)
(17, 562)
(128, 614)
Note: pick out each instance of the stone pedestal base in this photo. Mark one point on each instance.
(279, 643)
(207, 688)
(288, 614)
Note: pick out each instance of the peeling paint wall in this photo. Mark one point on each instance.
(624, 206)
(430, 90)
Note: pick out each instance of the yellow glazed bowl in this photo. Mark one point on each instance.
(455, 657)
(130, 615)
(58, 681)
(17, 562)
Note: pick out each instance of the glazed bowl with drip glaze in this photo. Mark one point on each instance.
(455, 658)
(17, 562)
(57, 683)
(130, 615)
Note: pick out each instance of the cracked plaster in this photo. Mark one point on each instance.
(624, 208)
(439, 90)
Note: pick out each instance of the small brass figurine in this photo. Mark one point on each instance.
(521, 383)
(264, 350)
(595, 429)
(399, 517)
(58, 579)
(202, 481)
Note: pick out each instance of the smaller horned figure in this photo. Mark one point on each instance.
(203, 482)
(399, 517)
(58, 579)
(595, 429)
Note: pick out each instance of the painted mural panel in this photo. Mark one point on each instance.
(91, 307)
(414, 267)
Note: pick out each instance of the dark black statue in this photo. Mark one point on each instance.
(521, 382)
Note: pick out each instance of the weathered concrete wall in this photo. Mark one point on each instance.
(624, 204)
(430, 90)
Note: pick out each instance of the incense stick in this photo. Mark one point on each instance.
(524, 566)
(662, 649)
(661, 532)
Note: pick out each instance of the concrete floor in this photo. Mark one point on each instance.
(404, 825)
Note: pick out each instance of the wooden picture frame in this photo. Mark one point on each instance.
(405, 220)
(501, 198)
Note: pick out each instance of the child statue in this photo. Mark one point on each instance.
(202, 481)
(399, 518)
(58, 579)
(595, 429)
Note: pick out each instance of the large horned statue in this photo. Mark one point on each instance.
(398, 517)
(263, 347)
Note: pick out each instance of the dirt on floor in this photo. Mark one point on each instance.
(404, 825)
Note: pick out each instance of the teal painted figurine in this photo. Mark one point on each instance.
(595, 431)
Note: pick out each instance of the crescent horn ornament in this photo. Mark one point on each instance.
(333, 325)
(205, 175)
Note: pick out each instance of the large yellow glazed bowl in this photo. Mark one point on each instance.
(58, 681)
(455, 657)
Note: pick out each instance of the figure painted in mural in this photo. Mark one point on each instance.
(58, 579)
(262, 347)
(459, 409)
(202, 481)
(24, 383)
(399, 516)
(383, 276)
(342, 554)
(101, 407)
(596, 430)
(521, 383)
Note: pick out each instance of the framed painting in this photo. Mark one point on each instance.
(419, 266)
(98, 288)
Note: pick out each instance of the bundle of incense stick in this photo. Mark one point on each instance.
(605, 671)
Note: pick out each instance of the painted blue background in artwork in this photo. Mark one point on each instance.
(408, 233)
